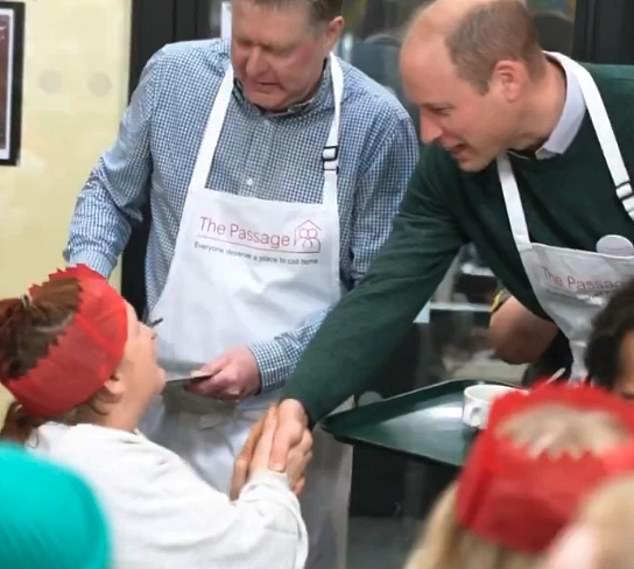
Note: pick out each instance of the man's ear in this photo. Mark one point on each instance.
(509, 78)
(333, 32)
(112, 390)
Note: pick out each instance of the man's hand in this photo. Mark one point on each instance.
(290, 452)
(292, 421)
(235, 376)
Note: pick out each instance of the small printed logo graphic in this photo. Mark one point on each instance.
(307, 237)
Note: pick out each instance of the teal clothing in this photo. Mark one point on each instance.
(49, 518)
(569, 201)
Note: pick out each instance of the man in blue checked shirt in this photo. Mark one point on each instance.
(274, 170)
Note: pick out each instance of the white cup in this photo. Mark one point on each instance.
(477, 400)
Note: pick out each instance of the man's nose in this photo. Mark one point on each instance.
(255, 63)
(429, 130)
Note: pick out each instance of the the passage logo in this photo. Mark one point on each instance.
(304, 239)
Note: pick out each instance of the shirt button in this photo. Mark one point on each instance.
(249, 182)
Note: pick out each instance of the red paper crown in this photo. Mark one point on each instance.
(84, 355)
(521, 501)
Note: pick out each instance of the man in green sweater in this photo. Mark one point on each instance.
(527, 157)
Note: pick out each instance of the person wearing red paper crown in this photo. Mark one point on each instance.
(83, 371)
(542, 454)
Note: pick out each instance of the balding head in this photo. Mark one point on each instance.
(477, 34)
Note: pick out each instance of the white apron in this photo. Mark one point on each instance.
(245, 270)
(573, 285)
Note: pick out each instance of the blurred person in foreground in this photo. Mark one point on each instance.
(49, 517)
(542, 454)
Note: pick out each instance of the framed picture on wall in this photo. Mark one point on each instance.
(11, 65)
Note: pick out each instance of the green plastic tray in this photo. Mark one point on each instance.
(425, 424)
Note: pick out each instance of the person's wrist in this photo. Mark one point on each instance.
(293, 408)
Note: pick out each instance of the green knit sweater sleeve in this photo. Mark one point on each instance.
(367, 325)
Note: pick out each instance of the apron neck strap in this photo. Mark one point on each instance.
(512, 199)
(330, 154)
(213, 129)
(604, 131)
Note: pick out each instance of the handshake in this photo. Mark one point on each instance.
(280, 441)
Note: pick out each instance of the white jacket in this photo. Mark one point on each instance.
(164, 516)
